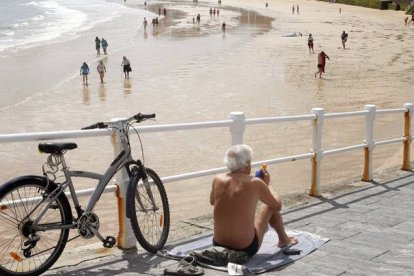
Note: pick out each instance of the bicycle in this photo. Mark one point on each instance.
(36, 215)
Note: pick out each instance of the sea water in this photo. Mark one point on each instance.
(43, 42)
(30, 23)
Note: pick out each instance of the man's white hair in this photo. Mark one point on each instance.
(238, 157)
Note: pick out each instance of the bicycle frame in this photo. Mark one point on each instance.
(104, 179)
(123, 157)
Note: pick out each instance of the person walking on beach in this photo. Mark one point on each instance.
(198, 18)
(98, 45)
(84, 71)
(101, 70)
(104, 44)
(310, 44)
(297, 9)
(126, 67)
(223, 27)
(235, 195)
(293, 9)
(344, 38)
(321, 63)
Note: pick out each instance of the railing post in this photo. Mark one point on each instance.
(408, 115)
(317, 150)
(369, 141)
(237, 128)
(126, 238)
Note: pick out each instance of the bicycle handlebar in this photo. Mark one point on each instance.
(138, 118)
(141, 117)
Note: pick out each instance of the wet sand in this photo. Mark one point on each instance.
(189, 73)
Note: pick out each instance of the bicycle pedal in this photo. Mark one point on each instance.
(109, 242)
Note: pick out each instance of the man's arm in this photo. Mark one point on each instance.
(212, 192)
(266, 193)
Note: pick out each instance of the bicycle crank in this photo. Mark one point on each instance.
(88, 227)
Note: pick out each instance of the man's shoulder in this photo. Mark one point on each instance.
(226, 177)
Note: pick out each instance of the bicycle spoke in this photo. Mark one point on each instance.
(21, 205)
(6, 218)
(151, 221)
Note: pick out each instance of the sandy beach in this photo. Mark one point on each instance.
(189, 73)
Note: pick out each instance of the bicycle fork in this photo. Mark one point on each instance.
(136, 173)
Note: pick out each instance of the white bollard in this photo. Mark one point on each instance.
(369, 141)
(126, 238)
(237, 128)
(317, 125)
(408, 116)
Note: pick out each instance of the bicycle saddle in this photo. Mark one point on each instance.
(56, 148)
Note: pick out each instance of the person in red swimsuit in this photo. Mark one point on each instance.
(321, 63)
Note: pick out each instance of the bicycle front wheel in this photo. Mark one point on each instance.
(23, 250)
(151, 217)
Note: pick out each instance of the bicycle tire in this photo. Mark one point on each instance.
(151, 227)
(15, 226)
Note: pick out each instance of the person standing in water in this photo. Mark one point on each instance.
(145, 24)
(126, 67)
(84, 71)
(223, 27)
(98, 45)
(101, 70)
(104, 44)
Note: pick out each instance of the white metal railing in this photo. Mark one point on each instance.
(237, 124)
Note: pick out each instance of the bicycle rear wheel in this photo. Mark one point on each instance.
(24, 251)
(150, 222)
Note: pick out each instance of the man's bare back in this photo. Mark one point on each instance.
(234, 194)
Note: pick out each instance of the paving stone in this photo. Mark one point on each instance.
(355, 266)
(349, 248)
(401, 256)
(329, 232)
(383, 239)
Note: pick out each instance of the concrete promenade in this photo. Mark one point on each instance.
(371, 229)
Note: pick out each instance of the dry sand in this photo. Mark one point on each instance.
(186, 73)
